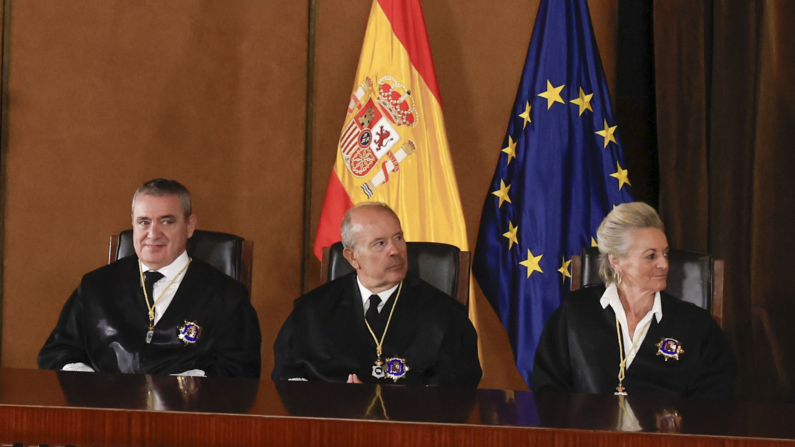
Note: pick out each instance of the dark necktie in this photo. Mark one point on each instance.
(372, 311)
(150, 278)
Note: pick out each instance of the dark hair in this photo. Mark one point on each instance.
(160, 187)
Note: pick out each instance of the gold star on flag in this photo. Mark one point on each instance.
(526, 115)
(552, 94)
(607, 134)
(622, 175)
(532, 263)
(564, 269)
(511, 235)
(502, 193)
(584, 101)
(510, 150)
(593, 243)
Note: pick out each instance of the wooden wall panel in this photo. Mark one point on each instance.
(106, 95)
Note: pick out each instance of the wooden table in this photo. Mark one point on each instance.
(63, 408)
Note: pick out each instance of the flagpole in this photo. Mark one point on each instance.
(306, 245)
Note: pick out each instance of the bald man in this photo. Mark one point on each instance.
(377, 324)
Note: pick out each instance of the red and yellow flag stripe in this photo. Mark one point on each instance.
(393, 145)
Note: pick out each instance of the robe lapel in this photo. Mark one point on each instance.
(188, 295)
(132, 286)
(346, 325)
(658, 331)
(402, 328)
(606, 352)
(383, 316)
(352, 297)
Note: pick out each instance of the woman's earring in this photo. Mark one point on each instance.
(618, 275)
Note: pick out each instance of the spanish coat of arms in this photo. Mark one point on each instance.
(367, 141)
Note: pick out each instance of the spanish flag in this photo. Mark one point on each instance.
(393, 146)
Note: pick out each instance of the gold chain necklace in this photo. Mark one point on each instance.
(150, 333)
(378, 371)
(620, 390)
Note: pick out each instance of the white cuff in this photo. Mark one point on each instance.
(192, 373)
(81, 367)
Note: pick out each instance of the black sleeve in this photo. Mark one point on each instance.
(714, 374)
(237, 349)
(552, 366)
(67, 341)
(284, 364)
(458, 363)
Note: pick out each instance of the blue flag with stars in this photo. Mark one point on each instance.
(559, 173)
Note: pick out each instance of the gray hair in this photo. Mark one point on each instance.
(347, 233)
(614, 234)
(161, 187)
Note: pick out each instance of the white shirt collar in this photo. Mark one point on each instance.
(631, 345)
(173, 269)
(610, 298)
(365, 293)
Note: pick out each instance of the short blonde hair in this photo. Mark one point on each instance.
(613, 234)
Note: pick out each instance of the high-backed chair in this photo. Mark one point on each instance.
(226, 252)
(693, 277)
(444, 266)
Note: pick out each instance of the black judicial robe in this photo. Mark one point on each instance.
(578, 351)
(104, 325)
(325, 337)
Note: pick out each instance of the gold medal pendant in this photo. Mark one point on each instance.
(620, 390)
(396, 368)
(669, 348)
(151, 332)
(189, 332)
(378, 369)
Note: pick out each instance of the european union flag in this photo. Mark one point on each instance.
(559, 173)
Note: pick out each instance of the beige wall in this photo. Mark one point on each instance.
(107, 95)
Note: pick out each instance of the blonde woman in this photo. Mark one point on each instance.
(628, 336)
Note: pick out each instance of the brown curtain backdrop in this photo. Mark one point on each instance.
(635, 100)
(725, 105)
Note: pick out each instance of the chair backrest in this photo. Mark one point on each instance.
(692, 277)
(228, 253)
(444, 266)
